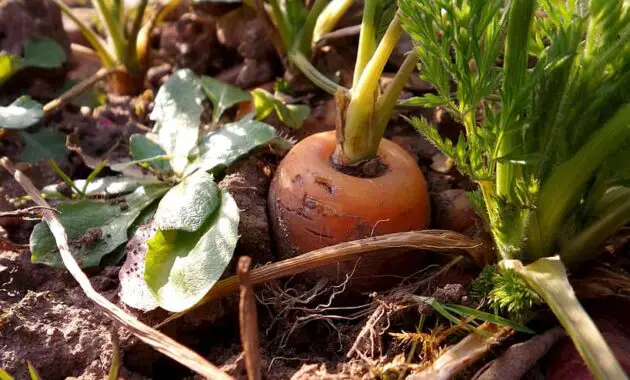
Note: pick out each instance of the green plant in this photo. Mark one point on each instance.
(469, 315)
(506, 292)
(324, 190)
(196, 221)
(541, 89)
(127, 41)
(364, 111)
(295, 29)
(4, 375)
(43, 53)
(23, 113)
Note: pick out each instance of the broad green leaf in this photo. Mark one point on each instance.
(134, 290)
(9, 65)
(290, 114)
(177, 113)
(94, 227)
(44, 53)
(22, 113)
(181, 267)
(221, 148)
(119, 253)
(188, 205)
(143, 148)
(47, 143)
(222, 96)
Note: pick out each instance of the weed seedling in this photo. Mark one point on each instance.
(196, 223)
(127, 41)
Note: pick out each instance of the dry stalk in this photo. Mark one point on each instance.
(519, 358)
(348, 31)
(52, 106)
(84, 52)
(249, 321)
(154, 338)
(432, 240)
(459, 356)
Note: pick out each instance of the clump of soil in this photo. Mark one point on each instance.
(46, 319)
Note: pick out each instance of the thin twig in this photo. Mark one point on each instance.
(433, 240)
(52, 106)
(25, 212)
(348, 31)
(249, 321)
(154, 338)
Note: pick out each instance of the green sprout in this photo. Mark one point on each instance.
(295, 30)
(541, 89)
(127, 39)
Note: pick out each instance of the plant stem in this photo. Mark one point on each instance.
(107, 60)
(549, 279)
(304, 39)
(563, 189)
(360, 136)
(281, 23)
(387, 101)
(113, 30)
(275, 30)
(307, 68)
(584, 246)
(132, 57)
(367, 40)
(78, 89)
(329, 18)
(520, 18)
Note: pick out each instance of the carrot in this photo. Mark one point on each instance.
(313, 205)
(351, 183)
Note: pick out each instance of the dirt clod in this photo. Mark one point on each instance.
(61, 338)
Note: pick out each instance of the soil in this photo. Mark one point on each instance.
(46, 319)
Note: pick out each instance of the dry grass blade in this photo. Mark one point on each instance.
(249, 321)
(154, 338)
(433, 240)
(52, 106)
(467, 351)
